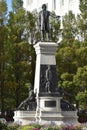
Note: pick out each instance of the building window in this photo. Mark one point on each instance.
(54, 4)
(62, 2)
(30, 2)
(70, 1)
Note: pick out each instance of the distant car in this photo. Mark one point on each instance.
(3, 120)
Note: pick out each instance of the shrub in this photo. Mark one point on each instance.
(71, 127)
(3, 126)
(13, 127)
(37, 126)
(26, 128)
(49, 128)
(43, 127)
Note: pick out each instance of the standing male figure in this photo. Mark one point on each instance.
(44, 22)
(48, 79)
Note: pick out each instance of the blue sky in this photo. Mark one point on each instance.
(9, 4)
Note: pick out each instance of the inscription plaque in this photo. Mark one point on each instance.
(50, 103)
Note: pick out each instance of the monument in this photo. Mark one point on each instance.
(45, 103)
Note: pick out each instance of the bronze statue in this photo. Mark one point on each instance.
(44, 22)
(29, 103)
(48, 79)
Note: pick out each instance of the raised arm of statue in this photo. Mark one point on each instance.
(54, 16)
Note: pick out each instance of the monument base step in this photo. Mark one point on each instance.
(57, 118)
(24, 117)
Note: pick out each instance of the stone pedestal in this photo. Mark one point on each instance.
(45, 52)
(48, 97)
(49, 110)
(47, 94)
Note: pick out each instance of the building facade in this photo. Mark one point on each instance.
(61, 7)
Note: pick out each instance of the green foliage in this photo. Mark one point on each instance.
(71, 56)
(16, 4)
(3, 126)
(26, 127)
(37, 126)
(3, 8)
(55, 28)
(82, 99)
(49, 128)
(69, 26)
(82, 20)
(22, 55)
(3, 52)
(83, 6)
(13, 127)
(17, 60)
(80, 78)
(81, 55)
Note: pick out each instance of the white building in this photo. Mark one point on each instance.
(61, 7)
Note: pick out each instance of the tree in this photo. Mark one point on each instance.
(22, 62)
(66, 57)
(69, 28)
(80, 80)
(71, 57)
(3, 8)
(81, 52)
(16, 4)
(66, 67)
(82, 21)
(3, 53)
